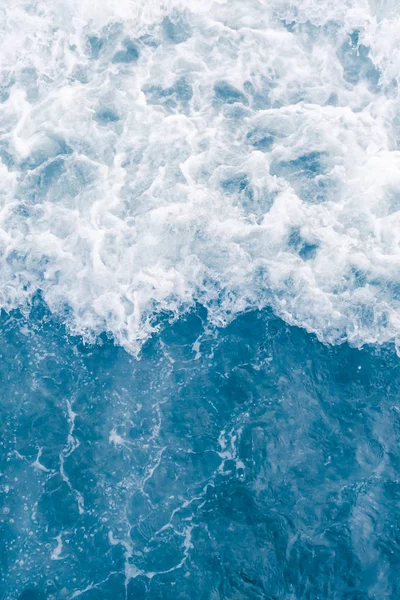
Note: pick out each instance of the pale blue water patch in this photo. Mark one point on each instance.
(129, 54)
(356, 62)
(175, 97)
(247, 462)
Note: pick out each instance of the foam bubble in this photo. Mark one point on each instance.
(155, 155)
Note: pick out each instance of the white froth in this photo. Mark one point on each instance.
(239, 154)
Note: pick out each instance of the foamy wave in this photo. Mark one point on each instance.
(238, 154)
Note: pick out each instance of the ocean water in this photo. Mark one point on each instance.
(251, 463)
(199, 300)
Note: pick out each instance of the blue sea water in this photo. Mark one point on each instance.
(199, 300)
(250, 462)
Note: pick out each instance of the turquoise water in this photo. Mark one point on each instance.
(258, 463)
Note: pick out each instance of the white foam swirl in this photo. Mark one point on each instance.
(239, 154)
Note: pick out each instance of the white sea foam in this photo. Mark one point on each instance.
(239, 154)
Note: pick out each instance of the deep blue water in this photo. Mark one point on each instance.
(259, 464)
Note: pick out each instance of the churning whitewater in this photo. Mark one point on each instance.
(236, 154)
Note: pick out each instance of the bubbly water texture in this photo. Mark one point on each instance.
(240, 154)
